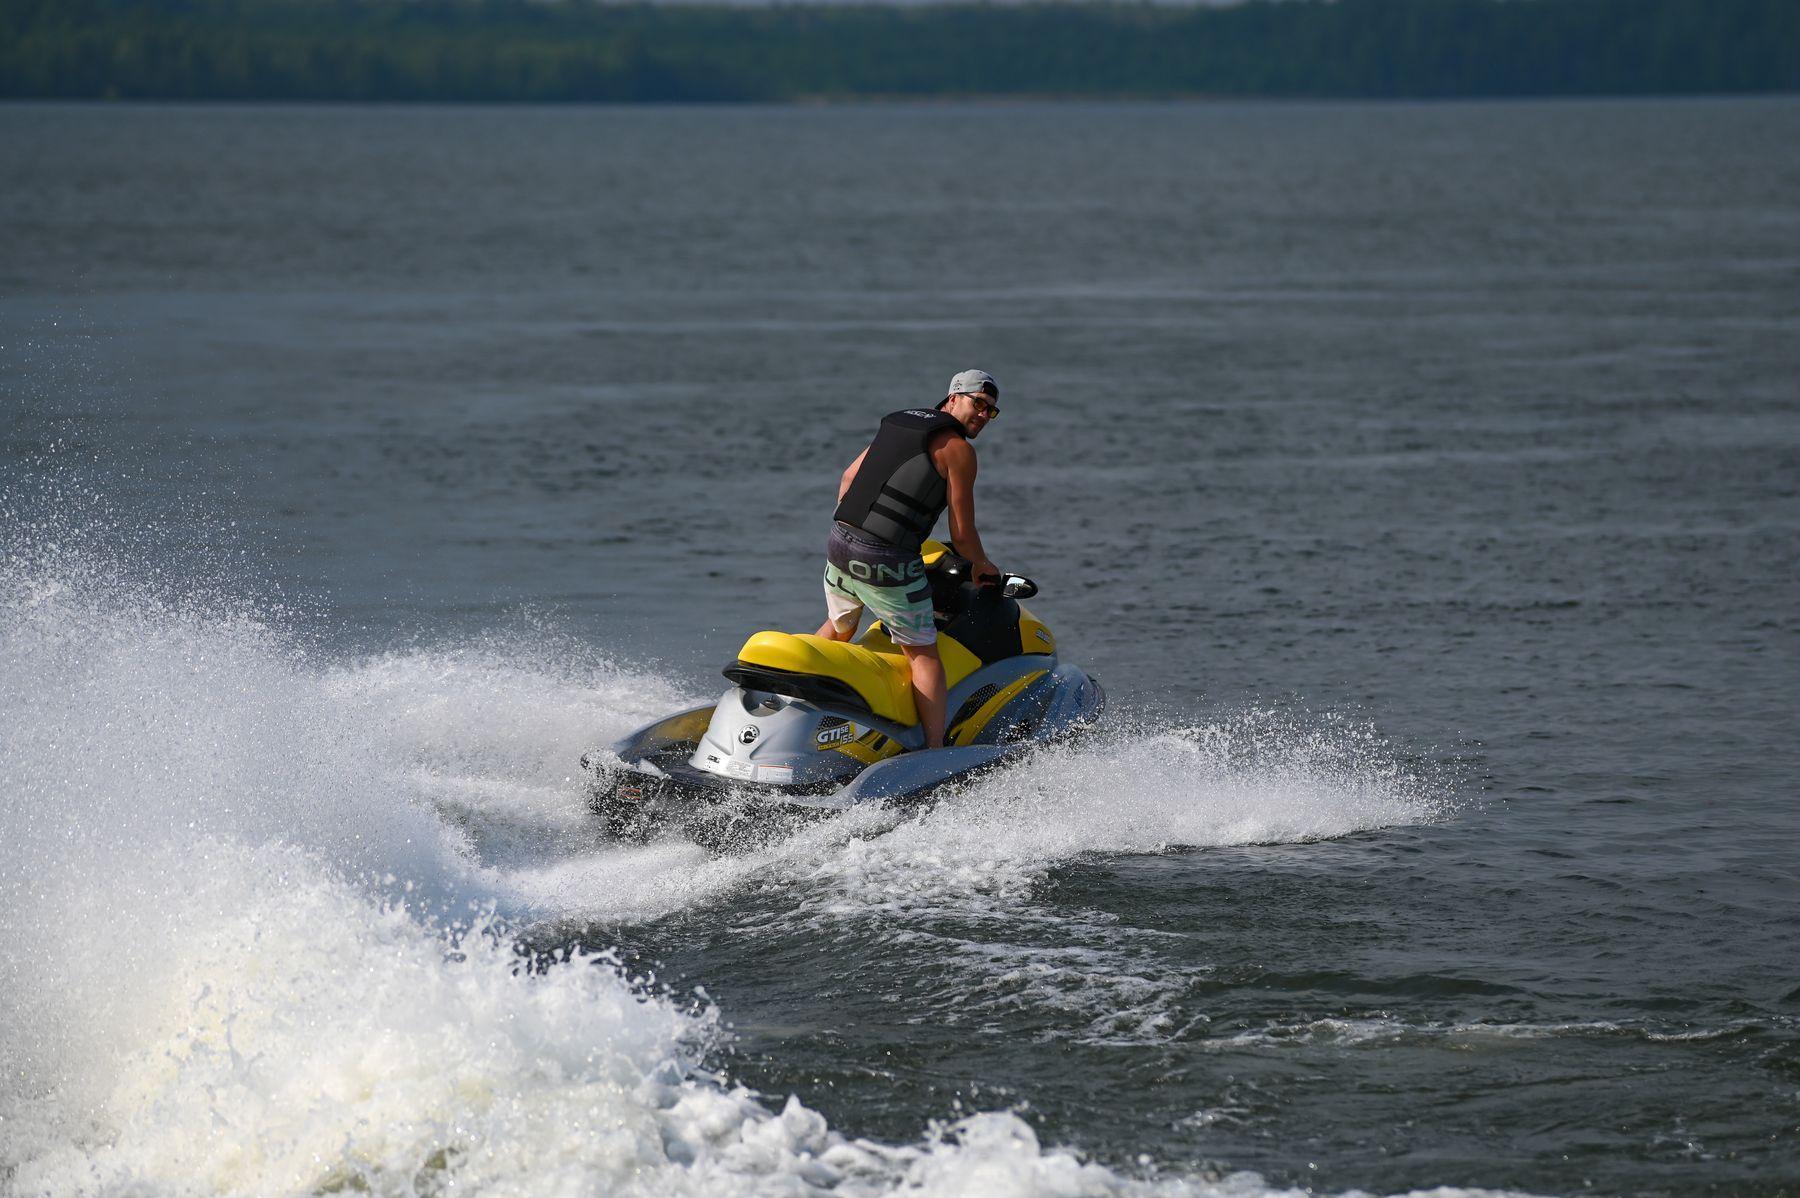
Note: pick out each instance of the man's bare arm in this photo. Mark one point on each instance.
(956, 461)
(850, 475)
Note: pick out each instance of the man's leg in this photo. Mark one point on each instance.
(928, 690)
(843, 610)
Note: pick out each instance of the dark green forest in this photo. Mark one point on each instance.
(579, 50)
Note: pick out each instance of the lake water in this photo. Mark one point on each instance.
(1423, 482)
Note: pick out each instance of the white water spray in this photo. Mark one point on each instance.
(230, 878)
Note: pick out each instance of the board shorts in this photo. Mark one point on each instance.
(861, 571)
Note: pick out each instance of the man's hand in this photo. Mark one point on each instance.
(984, 569)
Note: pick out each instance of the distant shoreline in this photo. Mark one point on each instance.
(581, 51)
(902, 101)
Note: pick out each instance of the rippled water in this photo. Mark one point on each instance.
(1420, 480)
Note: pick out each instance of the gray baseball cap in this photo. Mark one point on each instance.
(974, 382)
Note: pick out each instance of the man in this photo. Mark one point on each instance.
(888, 501)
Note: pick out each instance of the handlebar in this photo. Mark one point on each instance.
(954, 569)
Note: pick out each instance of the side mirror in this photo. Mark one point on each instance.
(1016, 587)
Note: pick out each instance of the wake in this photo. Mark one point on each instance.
(257, 909)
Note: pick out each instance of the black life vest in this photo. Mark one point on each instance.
(898, 494)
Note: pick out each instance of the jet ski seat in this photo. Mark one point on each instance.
(873, 674)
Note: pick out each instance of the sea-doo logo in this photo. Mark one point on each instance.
(748, 735)
(1043, 636)
(841, 734)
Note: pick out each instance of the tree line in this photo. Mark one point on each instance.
(587, 50)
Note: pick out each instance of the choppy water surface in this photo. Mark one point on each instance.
(1421, 481)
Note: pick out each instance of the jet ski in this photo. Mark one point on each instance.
(812, 726)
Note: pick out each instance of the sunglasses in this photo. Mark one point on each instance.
(985, 406)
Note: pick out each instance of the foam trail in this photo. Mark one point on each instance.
(1257, 778)
(223, 866)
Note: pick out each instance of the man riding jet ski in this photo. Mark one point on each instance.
(818, 721)
(813, 725)
(919, 463)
